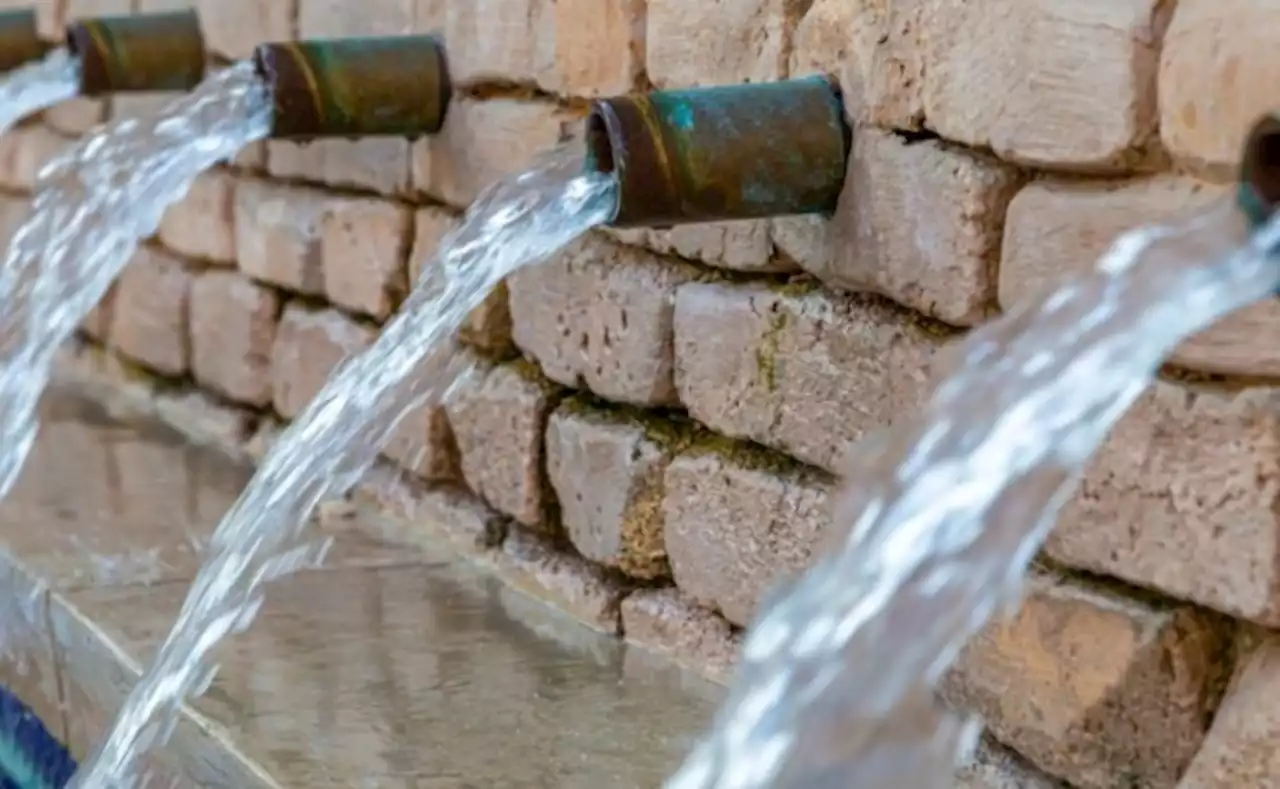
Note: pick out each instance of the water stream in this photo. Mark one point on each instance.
(36, 86)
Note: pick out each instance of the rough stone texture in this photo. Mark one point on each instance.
(600, 316)
(1214, 71)
(423, 444)
(599, 46)
(202, 224)
(718, 43)
(995, 767)
(53, 15)
(378, 164)
(499, 416)
(278, 235)
(233, 328)
(1056, 231)
(422, 513)
(1182, 497)
(802, 370)
(363, 244)
(521, 49)
(739, 246)
(1052, 84)
(1102, 690)
(582, 589)
(607, 470)
(151, 308)
(309, 345)
(736, 521)
(336, 18)
(76, 116)
(232, 28)
(663, 621)
(1240, 749)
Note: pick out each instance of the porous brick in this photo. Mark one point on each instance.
(202, 224)
(338, 18)
(363, 246)
(499, 417)
(1096, 688)
(738, 520)
(607, 469)
(1057, 231)
(233, 328)
(97, 324)
(521, 49)
(531, 564)
(801, 369)
(53, 16)
(423, 445)
(1183, 497)
(380, 164)
(421, 513)
(995, 767)
(666, 622)
(278, 234)
(600, 315)
(599, 46)
(739, 246)
(1050, 84)
(718, 43)
(309, 345)
(1215, 69)
(75, 116)
(150, 312)
(232, 28)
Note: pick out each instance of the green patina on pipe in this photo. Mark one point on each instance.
(140, 53)
(19, 39)
(721, 153)
(361, 87)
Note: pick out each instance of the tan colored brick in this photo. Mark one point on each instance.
(97, 324)
(202, 224)
(233, 328)
(740, 246)
(804, 371)
(278, 234)
(607, 471)
(599, 46)
(1240, 749)
(600, 315)
(875, 49)
(75, 116)
(53, 15)
(584, 591)
(430, 16)
(738, 522)
(718, 43)
(423, 445)
(1046, 83)
(1216, 69)
(309, 345)
(483, 141)
(1058, 231)
(232, 28)
(996, 767)
(520, 49)
(1182, 497)
(381, 164)
(363, 246)
(499, 417)
(665, 622)
(1101, 690)
(338, 18)
(150, 313)
(24, 151)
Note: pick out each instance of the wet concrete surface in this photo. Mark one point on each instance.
(392, 666)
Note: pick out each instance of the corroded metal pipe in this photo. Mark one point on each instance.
(734, 152)
(394, 86)
(140, 53)
(1258, 193)
(19, 39)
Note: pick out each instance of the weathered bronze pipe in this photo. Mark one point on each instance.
(19, 39)
(734, 152)
(140, 53)
(391, 86)
(1258, 192)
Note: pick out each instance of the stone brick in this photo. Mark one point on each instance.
(1240, 748)
(423, 445)
(665, 622)
(875, 49)
(1046, 83)
(202, 224)
(499, 417)
(736, 522)
(420, 513)
(1182, 497)
(337, 18)
(1058, 231)
(1216, 68)
(805, 371)
(718, 43)
(483, 141)
(1101, 690)
(739, 246)
(75, 116)
(599, 46)
(381, 164)
(97, 324)
(52, 17)
(607, 470)
(233, 328)
(995, 767)
(521, 49)
(581, 589)
(363, 246)
(149, 318)
(232, 28)
(278, 234)
(600, 316)
(24, 151)
(309, 346)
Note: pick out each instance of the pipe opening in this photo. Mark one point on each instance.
(1264, 163)
(599, 145)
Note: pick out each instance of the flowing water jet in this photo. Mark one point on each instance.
(34, 78)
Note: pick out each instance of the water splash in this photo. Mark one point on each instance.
(517, 222)
(836, 682)
(38, 85)
(92, 206)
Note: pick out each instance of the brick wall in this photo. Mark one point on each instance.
(652, 439)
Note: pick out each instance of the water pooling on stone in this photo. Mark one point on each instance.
(835, 686)
(517, 222)
(36, 86)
